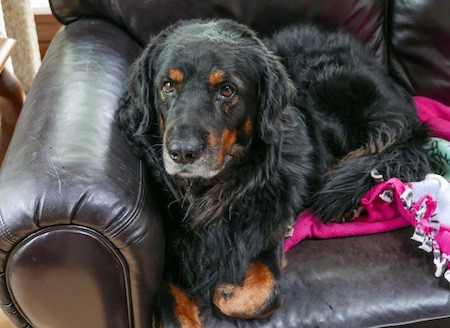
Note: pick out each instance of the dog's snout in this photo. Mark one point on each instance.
(184, 151)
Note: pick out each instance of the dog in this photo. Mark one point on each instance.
(245, 133)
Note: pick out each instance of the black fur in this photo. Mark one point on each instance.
(322, 113)
(350, 103)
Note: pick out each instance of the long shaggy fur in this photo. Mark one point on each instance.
(352, 107)
(323, 115)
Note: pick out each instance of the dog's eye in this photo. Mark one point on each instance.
(226, 91)
(168, 87)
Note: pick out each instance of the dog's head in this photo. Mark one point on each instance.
(212, 88)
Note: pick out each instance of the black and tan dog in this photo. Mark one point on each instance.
(247, 133)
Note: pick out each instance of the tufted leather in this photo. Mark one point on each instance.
(410, 37)
(364, 18)
(80, 221)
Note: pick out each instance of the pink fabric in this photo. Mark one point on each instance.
(444, 236)
(308, 226)
(434, 114)
(381, 216)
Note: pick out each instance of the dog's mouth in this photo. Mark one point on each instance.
(190, 173)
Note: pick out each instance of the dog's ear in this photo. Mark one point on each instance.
(275, 92)
(136, 108)
(137, 115)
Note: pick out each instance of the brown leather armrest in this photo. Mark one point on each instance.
(68, 168)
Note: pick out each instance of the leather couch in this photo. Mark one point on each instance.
(81, 243)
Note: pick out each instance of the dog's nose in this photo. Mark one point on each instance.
(184, 151)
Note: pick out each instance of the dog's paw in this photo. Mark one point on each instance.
(329, 206)
(233, 301)
(224, 292)
(258, 297)
(338, 200)
(338, 215)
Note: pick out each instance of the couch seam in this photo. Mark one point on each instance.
(5, 233)
(409, 322)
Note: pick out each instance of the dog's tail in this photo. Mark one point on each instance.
(353, 176)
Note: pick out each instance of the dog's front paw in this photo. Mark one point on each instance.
(258, 297)
(224, 292)
(338, 200)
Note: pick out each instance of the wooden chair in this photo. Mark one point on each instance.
(12, 97)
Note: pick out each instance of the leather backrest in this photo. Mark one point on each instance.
(419, 47)
(363, 18)
(412, 38)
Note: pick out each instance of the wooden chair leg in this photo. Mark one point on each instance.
(12, 97)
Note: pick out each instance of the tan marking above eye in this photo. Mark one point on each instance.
(216, 77)
(176, 75)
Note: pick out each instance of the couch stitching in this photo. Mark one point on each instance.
(5, 233)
